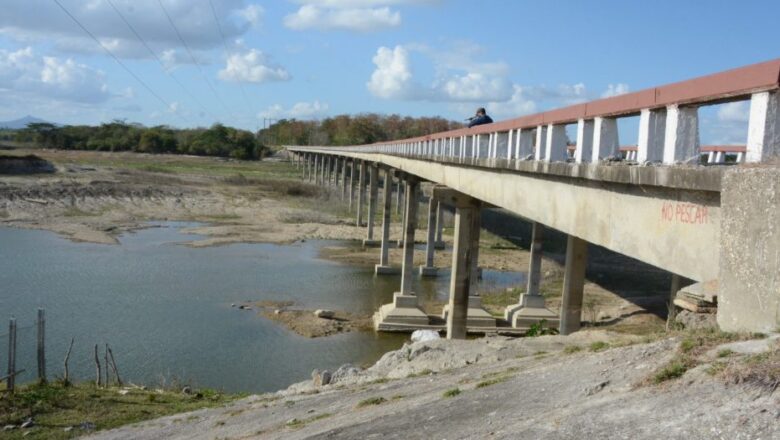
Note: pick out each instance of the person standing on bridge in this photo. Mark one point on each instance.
(480, 118)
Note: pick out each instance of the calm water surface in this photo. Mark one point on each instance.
(165, 308)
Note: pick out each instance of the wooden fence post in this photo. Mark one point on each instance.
(41, 346)
(11, 355)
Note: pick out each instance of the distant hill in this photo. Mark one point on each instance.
(20, 123)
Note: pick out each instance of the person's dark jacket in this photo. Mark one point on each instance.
(479, 120)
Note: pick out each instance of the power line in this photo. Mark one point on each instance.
(118, 61)
(194, 60)
(224, 44)
(162, 64)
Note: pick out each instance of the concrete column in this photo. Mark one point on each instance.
(524, 144)
(352, 173)
(681, 137)
(403, 219)
(384, 268)
(317, 169)
(763, 141)
(439, 226)
(652, 125)
(555, 145)
(674, 287)
(405, 310)
(605, 139)
(361, 192)
(327, 165)
(373, 199)
(466, 224)
(531, 309)
(428, 269)
(344, 178)
(541, 140)
(584, 151)
(573, 284)
(399, 197)
(510, 144)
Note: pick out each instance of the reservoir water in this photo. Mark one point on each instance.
(165, 308)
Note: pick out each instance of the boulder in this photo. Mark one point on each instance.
(425, 335)
(325, 314)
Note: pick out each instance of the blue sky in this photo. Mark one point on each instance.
(316, 58)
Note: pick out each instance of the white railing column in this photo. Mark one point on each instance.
(584, 151)
(605, 138)
(524, 144)
(763, 141)
(541, 137)
(681, 139)
(652, 127)
(510, 145)
(555, 147)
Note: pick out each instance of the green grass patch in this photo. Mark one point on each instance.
(493, 381)
(598, 346)
(725, 353)
(425, 372)
(54, 407)
(451, 392)
(569, 349)
(672, 370)
(371, 401)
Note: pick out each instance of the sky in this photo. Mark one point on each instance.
(245, 63)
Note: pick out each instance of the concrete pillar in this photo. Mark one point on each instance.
(681, 137)
(428, 269)
(584, 151)
(652, 127)
(317, 169)
(466, 224)
(373, 199)
(524, 144)
(763, 140)
(605, 139)
(673, 289)
(327, 165)
(384, 268)
(361, 192)
(344, 178)
(410, 225)
(541, 140)
(573, 284)
(352, 173)
(399, 197)
(439, 226)
(555, 144)
(531, 309)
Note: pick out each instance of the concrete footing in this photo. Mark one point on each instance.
(476, 316)
(429, 271)
(386, 270)
(402, 311)
(529, 311)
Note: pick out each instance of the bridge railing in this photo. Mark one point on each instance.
(668, 126)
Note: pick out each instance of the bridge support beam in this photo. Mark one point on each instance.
(763, 140)
(343, 178)
(465, 303)
(573, 285)
(429, 269)
(384, 268)
(399, 197)
(352, 173)
(439, 244)
(373, 199)
(681, 136)
(361, 193)
(531, 309)
(405, 308)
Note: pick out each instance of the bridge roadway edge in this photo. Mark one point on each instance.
(665, 216)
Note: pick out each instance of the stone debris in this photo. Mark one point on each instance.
(324, 314)
(320, 378)
(425, 335)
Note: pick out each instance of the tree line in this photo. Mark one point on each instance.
(220, 140)
(353, 129)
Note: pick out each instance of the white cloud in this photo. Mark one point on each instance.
(353, 19)
(300, 110)
(738, 111)
(252, 66)
(518, 105)
(23, 71)
(475, 87)
(615, 90)
(253, 14)
(393, 74)
(32, 21)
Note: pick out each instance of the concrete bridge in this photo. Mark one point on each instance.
(710, 214)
